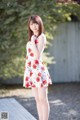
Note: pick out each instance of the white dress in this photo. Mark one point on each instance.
(36, 73)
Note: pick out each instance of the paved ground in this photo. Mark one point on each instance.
(64, 100)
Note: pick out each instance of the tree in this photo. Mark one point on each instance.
(13, 29)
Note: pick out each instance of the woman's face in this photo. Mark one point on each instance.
(34, 27)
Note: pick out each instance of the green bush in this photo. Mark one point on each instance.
(13, 29)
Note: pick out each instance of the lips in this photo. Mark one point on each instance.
(35, 29)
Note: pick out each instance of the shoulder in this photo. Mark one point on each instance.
(42, 35)
(42, 38)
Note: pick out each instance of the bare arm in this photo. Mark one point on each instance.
(39, 47)
(34, 48)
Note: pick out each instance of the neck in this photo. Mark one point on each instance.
(36, 34)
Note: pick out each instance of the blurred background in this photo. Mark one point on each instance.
(61, 20)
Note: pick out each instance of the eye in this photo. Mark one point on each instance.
(36, 23)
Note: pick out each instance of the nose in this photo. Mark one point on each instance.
(34, 26)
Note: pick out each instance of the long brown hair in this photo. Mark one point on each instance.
(35, 19)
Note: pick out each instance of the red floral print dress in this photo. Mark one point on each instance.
(36, 73)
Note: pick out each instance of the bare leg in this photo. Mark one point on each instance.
(38, 103)
(44, 102)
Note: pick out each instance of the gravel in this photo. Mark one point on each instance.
(64, 100)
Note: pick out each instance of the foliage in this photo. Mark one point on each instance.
(13, 29)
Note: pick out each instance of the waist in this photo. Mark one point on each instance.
(29, 58)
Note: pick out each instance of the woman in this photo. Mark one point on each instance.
(36, 75)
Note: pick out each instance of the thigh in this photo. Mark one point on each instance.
(35, 93)
(43, 93)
